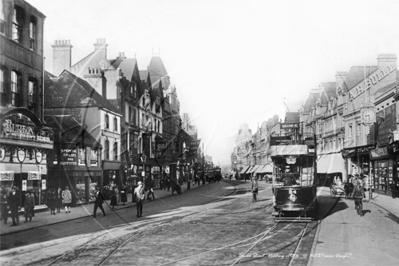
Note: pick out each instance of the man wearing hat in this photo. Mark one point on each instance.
(139, 197)
(99, 202)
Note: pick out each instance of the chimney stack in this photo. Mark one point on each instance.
(62, 56)
(100, 48)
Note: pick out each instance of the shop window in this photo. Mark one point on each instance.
(32, 92)
(115, 151)
(32, 33)
(106, 150)
(93, 158)
(82, 156)
(15, 88)
(106, 121)
(17, 20)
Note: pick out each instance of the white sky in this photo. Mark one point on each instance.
(232, 61)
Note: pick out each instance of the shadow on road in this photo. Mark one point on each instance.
(329, 205)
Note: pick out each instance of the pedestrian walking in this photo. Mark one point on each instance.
(359, 195)
(150, 186)
(254, 188)
(139, 198)
(4, 206)
(29, 206)
(67, 199)
(14, 204)
(98, 203)
(52, 200)
(124, 194)
(114, 192)
(58, 201)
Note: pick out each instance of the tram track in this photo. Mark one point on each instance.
(117, 243)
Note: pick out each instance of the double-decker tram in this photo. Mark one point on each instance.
(294, 170)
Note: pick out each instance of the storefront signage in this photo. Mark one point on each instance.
(372, 80)
(21, 155)
(25, 132)
(44, 184)
(379, 152)
(24, 185)
(6, 175)
(68, 157)
(32, 175)
(289, 125)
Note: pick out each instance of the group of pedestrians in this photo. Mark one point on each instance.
(58, 199)
(11, 203)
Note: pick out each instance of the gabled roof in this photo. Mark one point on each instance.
(156, 67)
(127, 66)
(356, 75)
(71, 131)
(311, 101)
(328, 91)
(95, 98)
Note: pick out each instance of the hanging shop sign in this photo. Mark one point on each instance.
(379, 152)
(6, 175)
(289, 125)
(2, 153)
(69, 157)
(39, 156)
(21, 155)
(34, 175)
(370, 81)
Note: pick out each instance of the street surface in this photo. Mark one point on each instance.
(216, 224)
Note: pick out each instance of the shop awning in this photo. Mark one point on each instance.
(267, 168)
(331, 163)
(253, 169)
(244, 169)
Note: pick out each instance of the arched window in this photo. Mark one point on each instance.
(106, 121)
(115, 151)
(15, 88)
(115, 124)
(106, 150)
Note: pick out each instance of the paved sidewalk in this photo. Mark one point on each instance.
(43, 218)
(384, 201)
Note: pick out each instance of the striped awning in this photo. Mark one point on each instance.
(244, 169)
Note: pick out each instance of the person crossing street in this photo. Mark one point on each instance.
(98, 203)
(138, 198)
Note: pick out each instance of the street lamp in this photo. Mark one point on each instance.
(143, 158)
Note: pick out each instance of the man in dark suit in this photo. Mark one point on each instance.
(98, 203)
(14, 203)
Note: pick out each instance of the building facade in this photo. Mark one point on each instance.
(25, 140)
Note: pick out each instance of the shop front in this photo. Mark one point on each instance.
(24, 147)
(75, 161)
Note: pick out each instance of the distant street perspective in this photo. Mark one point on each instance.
(166, 132)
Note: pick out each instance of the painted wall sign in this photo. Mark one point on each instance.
(370, 81)
(69, 157)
